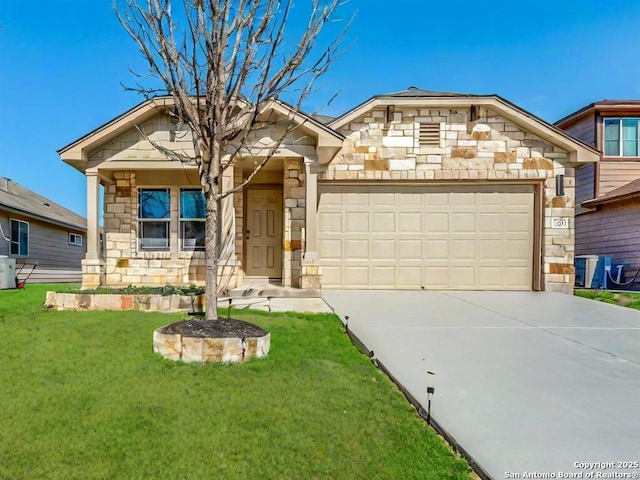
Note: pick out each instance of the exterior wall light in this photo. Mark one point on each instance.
(559, 185)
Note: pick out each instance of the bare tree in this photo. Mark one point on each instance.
(223, 62)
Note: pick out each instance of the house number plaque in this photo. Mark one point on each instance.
(559, 223)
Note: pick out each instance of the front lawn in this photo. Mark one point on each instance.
(83, 396)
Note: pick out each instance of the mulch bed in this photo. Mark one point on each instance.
(222, 328)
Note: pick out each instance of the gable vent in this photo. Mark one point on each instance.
(429, 135)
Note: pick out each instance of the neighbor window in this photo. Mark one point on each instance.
(621, 137)
(192, 215)
(75, 239)
(153, 218)
(19, 238)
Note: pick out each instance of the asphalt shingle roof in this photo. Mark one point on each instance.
(18, 198)
(419, 92)
(625, 191)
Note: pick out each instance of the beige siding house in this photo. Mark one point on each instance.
(35, 230)
(412, 190)
(608, 192)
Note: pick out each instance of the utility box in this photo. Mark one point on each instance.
(7, 272)
(586, 266)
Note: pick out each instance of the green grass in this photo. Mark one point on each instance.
(84, 397)
(624, 299)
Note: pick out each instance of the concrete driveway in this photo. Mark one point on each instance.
(525, 382)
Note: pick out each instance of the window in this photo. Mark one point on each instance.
(19, 238)
(193, 211)
(153, 218)
(621, 137)
(75, 239)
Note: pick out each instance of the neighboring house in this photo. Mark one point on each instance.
(608, 192)
(37, 230)
(416, 189)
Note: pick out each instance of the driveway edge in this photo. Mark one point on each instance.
(475, 466)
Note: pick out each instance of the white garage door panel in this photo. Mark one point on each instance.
(462, 237)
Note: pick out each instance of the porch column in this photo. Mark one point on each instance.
(93, 196)
(310, 274)
(311, 203)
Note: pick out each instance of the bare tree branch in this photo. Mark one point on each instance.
(224, 62)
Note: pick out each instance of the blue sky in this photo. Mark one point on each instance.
(63, 63)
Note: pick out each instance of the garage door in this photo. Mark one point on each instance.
(455, 237)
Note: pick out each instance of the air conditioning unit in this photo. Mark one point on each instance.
(586, 269)
(594, 271)
(7, 272)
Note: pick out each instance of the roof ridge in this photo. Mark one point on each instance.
(421, 92)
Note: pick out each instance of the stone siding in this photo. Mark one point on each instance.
(386, 145)
(294, 221)
(124, 264)
(134, 145)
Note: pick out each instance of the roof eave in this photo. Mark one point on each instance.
(601, 106)
(596, 202)
(579, 152)
(302, 118)
(42, 218)
(575, 116)
(74, 153)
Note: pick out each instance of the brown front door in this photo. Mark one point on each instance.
(263, 232)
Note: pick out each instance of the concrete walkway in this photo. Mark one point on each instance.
(273, 298)
(525, 382)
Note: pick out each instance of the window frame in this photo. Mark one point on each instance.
(142, 220)
(183, 220)
(620, 140)
(73, 239)
(17, 242)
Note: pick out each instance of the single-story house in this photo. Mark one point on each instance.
(35, 230)
(608, 192)
(415, 190)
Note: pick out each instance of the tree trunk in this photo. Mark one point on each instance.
(212, 233)
(212, 255)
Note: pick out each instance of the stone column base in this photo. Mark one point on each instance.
(92, 273)
(310, 277)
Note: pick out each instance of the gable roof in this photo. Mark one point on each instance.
(613, 106)
(627, 191)
(579, 152)
(18, 199)
(75, 153)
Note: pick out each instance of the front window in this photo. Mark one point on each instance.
(621, 137)
(192, 215)
(154, 212)
(19, 238)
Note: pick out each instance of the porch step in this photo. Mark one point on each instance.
(264, 291)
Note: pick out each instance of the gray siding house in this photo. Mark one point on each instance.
(608, 192)
(35, 230)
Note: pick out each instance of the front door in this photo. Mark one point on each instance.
(263, 232)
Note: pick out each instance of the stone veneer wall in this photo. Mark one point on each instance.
(124, 265)
(491, 148)
(294, 221)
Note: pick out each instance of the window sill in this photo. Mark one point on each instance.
(191, 254)
(153, 254)
(619, 159)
